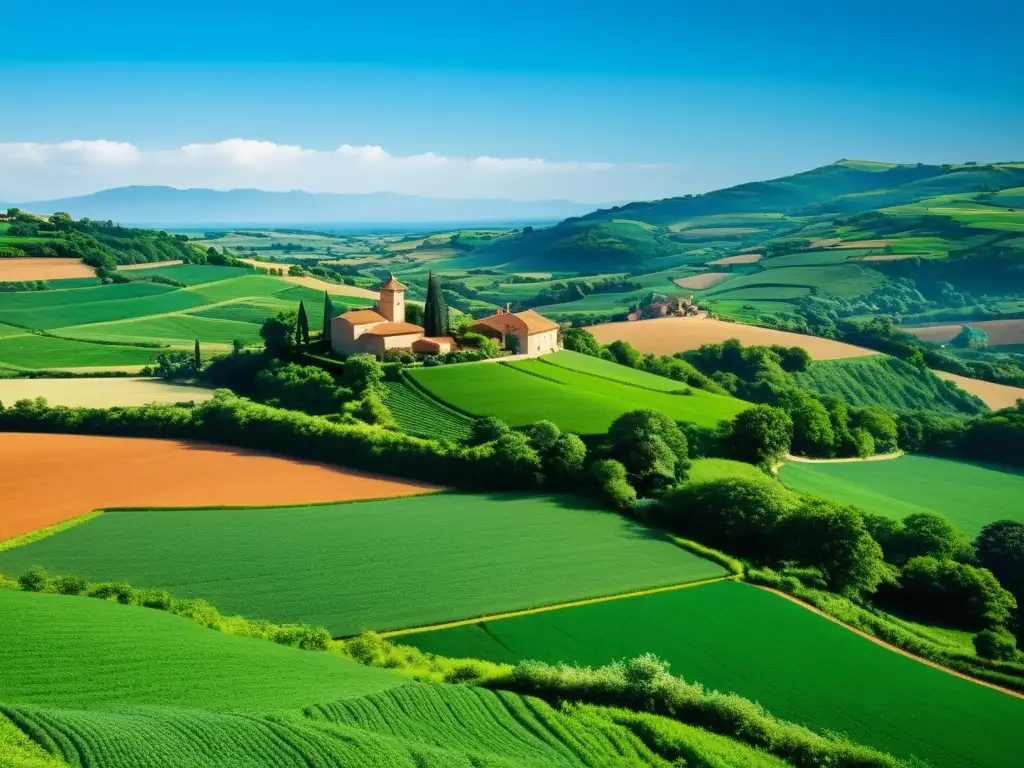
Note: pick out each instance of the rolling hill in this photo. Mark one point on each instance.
(866, 237)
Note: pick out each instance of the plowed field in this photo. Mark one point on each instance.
(668, 335)
(46, 479)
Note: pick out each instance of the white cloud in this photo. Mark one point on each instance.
(35, 171)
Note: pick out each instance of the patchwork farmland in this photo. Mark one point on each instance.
(98, 472)
(435, 558)
(968, 495)
(127, 324)
(808, 669)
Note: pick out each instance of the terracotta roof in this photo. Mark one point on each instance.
(440, 339)
(536, 323)
(363, 317)
(393, 329)
(391, 284)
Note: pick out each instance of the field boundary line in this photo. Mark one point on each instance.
(44, 533)
(682, 384)
(555, 607)
(298, 505)
(896, 649)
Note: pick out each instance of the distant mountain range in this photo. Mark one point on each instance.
(169, 207)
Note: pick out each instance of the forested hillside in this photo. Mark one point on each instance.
(100, 244)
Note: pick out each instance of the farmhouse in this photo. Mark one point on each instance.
(534, 334)
(383, 327)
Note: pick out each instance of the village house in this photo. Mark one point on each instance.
(384, 327)
(534, 333)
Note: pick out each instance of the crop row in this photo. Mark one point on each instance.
(421, 415)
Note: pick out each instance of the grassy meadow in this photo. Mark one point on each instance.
(84, 653)
(798, 665)
(969, 495)
(385, 564)
(584, 398)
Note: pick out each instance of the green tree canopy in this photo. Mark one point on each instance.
(435, 311)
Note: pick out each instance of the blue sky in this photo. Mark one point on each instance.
(608, 101)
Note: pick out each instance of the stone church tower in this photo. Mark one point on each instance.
(392, 300)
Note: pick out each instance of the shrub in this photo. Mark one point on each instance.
(736, 514)
(832, 537)
(563, 455)
(760, 435)
(924, 534)
(35, 579)
(373, 410)
(996, 644)
(155, 598)
(69, 585)
(302, 636)
(953, 592)
(362, 372)
(515, 463)
(1000, 548)
(119, 591)
(611, 484)
(651, 447)
(487, 429)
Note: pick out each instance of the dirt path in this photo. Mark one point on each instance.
(893, 648)
(848, 460)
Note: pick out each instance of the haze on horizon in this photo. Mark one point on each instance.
(573, 101)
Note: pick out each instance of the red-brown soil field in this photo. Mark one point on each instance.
(46, 479)
(668, 335)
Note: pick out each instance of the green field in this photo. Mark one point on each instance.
(595, 366)
(192, 274)
(419, 414)
(887, 381)
(72, 312)
(843, 280)
(414, 726)
(373, 565)
(32, 351)
(969, 495)
(527, 391)
(82, 653)
(814, 258)
(180, 329)
(798, 665)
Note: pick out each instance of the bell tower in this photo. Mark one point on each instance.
(392, 300)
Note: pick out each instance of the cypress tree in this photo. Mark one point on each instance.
(198, 359)
(302, 325)
(435, 312)
(328, 316)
